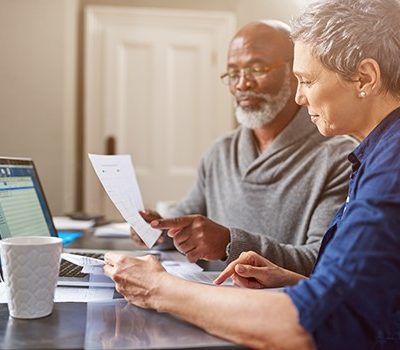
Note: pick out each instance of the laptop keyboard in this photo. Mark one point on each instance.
(68, 269)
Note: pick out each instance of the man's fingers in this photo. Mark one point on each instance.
(139, 243)
(135, 237)
(160, 240)
(185, 246)
(172, 232)
(149, 215)
(182, 236)
(175, 223)
(192, 255)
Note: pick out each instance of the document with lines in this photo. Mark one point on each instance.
(117, 175)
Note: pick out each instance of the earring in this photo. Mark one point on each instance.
(362, 94)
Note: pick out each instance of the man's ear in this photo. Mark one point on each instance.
(369, 76)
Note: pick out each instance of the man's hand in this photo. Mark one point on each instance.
(196, 236)
(148, 216)
(137, 279)
(251, 270)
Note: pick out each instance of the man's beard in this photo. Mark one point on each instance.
(272, 105)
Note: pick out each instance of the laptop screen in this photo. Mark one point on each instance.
(23, 207)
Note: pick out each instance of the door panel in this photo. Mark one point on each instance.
(152, 84)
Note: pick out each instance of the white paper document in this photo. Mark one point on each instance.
(66, 223)
(192, 272)
(90, 265)
(82, 260)
(113, 230)
(82, 295)
(71, 294)
(94, 270)
(177, 267)
(117, 175)
(206, 277)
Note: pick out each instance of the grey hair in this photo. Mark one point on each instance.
(344, 32)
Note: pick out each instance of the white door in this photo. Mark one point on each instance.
(152, 90)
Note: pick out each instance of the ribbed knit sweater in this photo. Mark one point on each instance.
(277, 203)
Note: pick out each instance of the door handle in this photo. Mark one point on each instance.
(110, 145)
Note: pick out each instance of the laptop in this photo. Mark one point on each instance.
(24, 212)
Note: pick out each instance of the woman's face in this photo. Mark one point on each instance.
(332, 102)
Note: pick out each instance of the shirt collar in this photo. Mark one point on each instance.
(368, 144)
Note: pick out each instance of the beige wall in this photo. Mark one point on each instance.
(245, 10)
(37, 84)
(41, 72)
(284, 10)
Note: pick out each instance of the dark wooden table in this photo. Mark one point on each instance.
(70, 326)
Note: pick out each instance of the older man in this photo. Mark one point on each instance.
(274, 183)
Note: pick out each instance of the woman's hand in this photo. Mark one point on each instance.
(137, 279)
(251, 270)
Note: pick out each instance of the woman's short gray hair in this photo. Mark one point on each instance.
(344, 32)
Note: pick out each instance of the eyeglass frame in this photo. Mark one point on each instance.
(250, 76)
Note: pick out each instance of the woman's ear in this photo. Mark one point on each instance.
(369, 77)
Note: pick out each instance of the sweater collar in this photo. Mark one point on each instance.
(299, 127)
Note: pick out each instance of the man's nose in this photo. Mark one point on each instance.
(244, 83)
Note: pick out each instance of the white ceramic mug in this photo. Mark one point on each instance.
(30, 269)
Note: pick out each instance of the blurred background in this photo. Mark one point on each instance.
(115, 77)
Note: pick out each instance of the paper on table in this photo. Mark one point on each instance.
(82, 295)
(113, 230)
(82, 260)
(192, 272)
(90, 265)
(117, 175)
(66, 223)
(206, 277)
(180, 266)
(71, 294)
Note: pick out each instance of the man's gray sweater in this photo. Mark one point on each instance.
(278, 203)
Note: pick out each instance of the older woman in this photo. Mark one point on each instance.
(347, 59)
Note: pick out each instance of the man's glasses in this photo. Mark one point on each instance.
(232, 77)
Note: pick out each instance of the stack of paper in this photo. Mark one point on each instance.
(66, 223)
(113, 230)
